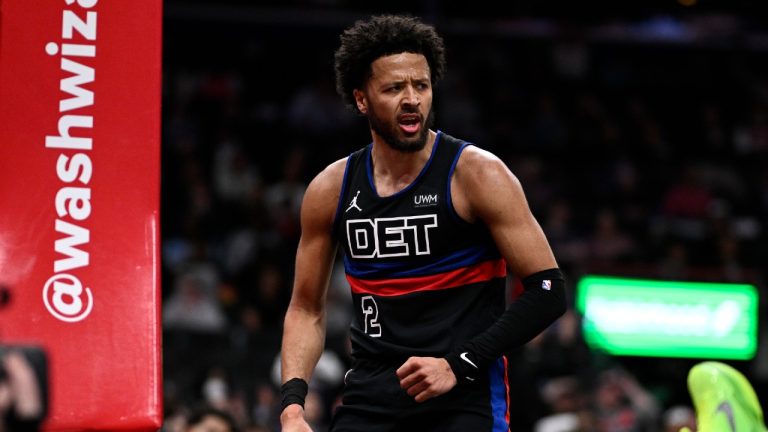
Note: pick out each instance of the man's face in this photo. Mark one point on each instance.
(397, 99)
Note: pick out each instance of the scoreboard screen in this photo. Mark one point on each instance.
(637, 317)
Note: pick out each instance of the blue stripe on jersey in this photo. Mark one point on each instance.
(498, 396)
(451, 209)
(453, 261)
(369, 169)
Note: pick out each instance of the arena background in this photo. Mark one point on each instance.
(639, 132)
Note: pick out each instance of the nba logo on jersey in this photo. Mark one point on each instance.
(546, 284)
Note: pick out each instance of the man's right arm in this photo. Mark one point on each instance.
(304, 326)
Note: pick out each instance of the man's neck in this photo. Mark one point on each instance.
(394, 170)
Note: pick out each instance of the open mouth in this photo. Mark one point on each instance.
(409, 123)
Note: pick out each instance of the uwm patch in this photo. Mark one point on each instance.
(425, 200)
(390, 237)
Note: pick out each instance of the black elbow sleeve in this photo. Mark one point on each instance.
(550, 285)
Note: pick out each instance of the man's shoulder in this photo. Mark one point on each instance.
(336, 168)
(481, 169)
(330, 178)
(322, 196)
(474, 159)
(471, 152)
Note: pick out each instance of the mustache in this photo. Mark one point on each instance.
(410, 112)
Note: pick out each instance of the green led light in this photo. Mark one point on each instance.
(668, 319)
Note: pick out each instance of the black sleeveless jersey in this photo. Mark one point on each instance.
(423, 280)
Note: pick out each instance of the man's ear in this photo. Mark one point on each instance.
(360, 101)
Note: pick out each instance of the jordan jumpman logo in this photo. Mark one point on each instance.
(353, 204)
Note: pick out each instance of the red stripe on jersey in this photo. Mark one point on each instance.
(451, 279)
(506, 385)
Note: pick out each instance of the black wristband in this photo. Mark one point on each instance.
(463, 366)
(293, 392)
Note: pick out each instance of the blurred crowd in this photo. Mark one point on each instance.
(646, 160)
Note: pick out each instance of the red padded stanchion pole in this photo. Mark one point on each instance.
(79, 203)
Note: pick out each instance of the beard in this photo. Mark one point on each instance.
(390, 133)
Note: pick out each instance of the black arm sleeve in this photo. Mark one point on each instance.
(542, 302)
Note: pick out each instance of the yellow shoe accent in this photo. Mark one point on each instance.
(724, 400)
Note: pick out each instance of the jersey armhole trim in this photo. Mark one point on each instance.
(451, 208)
(342, 194)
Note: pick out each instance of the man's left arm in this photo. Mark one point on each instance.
(484, 189)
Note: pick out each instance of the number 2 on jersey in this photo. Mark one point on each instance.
(371, 316)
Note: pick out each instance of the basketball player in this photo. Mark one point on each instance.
(429, 225)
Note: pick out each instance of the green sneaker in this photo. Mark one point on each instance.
(724, 400)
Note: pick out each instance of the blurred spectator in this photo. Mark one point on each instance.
(673, 264)
(570, 54)
(609, 243)
(688, 197)
(729, 260)
(206, 419)
(191, 307)
(558, 352)
(464, 115)
(269, 296)
(621, 404)
(314, 411)
(751, 136)
(175, 413)
(629, 197)
(317, 110)
(235, 178)
(286, 194)
(253, 347)
(22, 397)
(567, 242)
(265, 411)
(678, 417)
(237, 406)
(565, 399)
(550, 133)
(216, 389)
(328, 374)
(194, 263)
(538, 181)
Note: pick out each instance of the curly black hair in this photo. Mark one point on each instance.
(380, 36)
